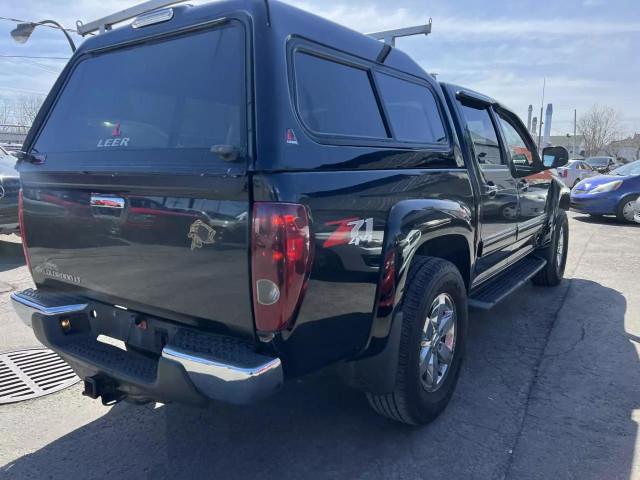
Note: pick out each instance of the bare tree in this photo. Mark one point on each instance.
(28, 107)
(614, 147)
(635, 142)
(6, 114)
(599, 126)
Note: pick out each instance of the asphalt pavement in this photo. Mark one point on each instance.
(550, 389)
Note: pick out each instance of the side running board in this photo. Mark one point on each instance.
(488, 294)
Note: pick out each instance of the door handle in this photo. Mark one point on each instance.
(490, 189)
(106, 202)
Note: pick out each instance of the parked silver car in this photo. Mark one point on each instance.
(574, 172)
(9, 189)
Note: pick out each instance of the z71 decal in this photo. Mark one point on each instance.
(350, 231)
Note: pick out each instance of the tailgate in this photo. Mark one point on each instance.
(143, 200)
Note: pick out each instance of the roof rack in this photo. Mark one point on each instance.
(389, 36)
(105, 23)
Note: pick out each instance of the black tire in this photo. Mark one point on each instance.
(552, 273)
(619, 210)
(410, 402)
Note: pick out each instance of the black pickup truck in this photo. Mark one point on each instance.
(242, 192)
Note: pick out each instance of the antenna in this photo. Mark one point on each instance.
(389, 36)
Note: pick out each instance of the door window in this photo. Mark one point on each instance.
(521, 155)
(483, 135)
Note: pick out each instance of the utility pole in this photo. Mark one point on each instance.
(544, 84)
(575, 114)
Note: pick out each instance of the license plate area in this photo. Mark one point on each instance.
(117, 325)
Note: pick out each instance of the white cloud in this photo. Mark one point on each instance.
(370, 18)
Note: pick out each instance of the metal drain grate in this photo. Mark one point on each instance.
(26, 374)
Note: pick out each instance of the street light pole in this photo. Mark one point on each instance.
(23, 31)
(575, 115)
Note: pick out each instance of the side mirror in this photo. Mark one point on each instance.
(553, 157)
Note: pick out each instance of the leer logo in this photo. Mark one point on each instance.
(115, 142)
(291, 137)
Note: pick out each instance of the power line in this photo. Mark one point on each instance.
(15, 90)
(38, 23)
(37, 66)
(29, 56)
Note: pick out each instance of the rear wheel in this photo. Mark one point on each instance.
(555, 254)
(625, 211)
(432, 345)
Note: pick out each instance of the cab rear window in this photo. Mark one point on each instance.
(412, 110)
(183, 93)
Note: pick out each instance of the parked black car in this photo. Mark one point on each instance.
(602, 164)
(9, 188)
(278, 144)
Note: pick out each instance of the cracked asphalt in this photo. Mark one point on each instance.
(550, 390)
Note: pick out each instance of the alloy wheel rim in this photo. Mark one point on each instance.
(628, 212)
(438, 342)
(509, 213)
(560, 250)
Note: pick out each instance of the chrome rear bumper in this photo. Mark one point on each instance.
(193, 366)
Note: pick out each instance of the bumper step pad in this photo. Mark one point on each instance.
(111, 358)
(217, 349)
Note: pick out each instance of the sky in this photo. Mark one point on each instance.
(588, 50)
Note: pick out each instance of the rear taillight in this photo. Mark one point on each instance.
(281, 258)
(565, 173)
(22, 233)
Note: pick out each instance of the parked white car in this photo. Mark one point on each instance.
(574, 172)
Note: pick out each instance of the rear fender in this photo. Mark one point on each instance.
(410, 226)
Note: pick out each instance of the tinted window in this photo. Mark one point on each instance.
(632, 168)
(483, 134)
(336, 99)
(184, 93)
(520, 153)
(412, 110)
(598, 161)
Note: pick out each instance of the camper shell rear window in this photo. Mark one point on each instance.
(173, 100)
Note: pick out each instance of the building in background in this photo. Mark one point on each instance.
(626, 150)
(13, 134)
(568, 143)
